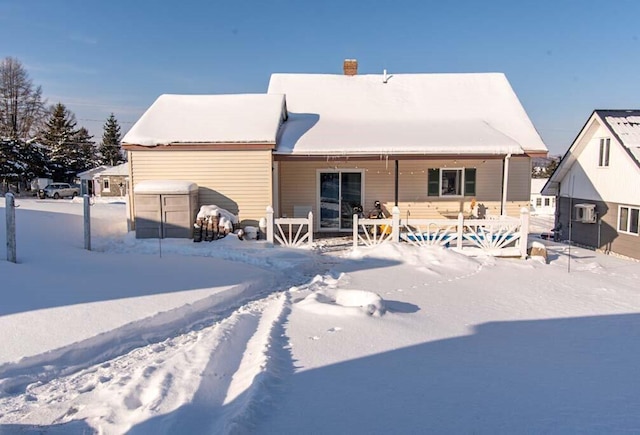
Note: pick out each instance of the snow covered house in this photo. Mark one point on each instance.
(596, 184)
(429, 143)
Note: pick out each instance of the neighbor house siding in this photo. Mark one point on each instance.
(239, 181)
(603, 235)
(298, 185)
(114, 185)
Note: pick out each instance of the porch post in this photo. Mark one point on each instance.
(355, 231)
(397, 177)
(524, 232)
(395, 224)
(310, 218)
(270, 224)
(505, 182)
(460, 230)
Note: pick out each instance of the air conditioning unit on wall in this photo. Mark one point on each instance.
(586, 213)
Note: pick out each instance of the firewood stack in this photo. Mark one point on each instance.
(210, 228)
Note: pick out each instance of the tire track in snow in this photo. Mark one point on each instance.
(214, 377)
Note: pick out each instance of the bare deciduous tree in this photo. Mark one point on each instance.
(22, 109)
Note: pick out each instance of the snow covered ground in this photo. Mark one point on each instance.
(238, 337)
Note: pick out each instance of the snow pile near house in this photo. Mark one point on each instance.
(340, 302)
(428, 259)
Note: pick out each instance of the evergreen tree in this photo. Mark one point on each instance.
(110, 152)
(83, 155)
(59, 137)
(21, 160)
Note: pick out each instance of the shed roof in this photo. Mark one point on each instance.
(404, 114)
(121, 169)
(209, 119)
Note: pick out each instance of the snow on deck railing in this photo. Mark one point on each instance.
(501, 236)
(498, 236)
(290, 231)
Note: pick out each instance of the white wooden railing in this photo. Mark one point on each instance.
(501, 236)
(292, 232)
(498, 236)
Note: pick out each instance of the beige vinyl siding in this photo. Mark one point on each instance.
(298, 186)
(239, 181)
(519, 187)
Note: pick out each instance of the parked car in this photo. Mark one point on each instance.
(59, 190)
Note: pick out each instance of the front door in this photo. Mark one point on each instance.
(340, 193)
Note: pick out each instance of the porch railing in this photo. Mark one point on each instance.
(292, 232)
(501, 236)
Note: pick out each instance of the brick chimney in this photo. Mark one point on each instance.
(350, 67)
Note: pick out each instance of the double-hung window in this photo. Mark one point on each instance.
(451, 182)
(603, 157)
(628, 219)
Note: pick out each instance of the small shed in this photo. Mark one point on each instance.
(165, 209)
(113, 180)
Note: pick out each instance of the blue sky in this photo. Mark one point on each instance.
(564, 58)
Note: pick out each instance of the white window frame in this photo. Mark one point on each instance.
(461, 181)
(604, 152)
(629, 208)
(106, 184)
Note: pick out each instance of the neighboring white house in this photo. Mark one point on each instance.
(597, 184)
(541, 204)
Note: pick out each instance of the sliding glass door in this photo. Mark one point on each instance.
(340, 193)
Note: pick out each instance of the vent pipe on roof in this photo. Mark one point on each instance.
(350, 67)
(384, 76)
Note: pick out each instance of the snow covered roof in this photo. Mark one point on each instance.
(165, 186)
(209, 119)
(121, 170)
(407, 114)
(90, 173)
(625, 124)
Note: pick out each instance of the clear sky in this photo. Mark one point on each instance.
(564, 58)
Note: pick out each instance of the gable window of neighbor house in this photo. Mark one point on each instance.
(106, 186)
(603, 159)
(628, 219)
(451, 182)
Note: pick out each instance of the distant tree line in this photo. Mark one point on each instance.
(37, 140)
(544, 167)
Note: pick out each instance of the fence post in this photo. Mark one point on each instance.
(270, 224)
(10, 206)
(524, 232)
(355, 230)
(460, 230)
(87, 222)
(395, 224)
(310, 217)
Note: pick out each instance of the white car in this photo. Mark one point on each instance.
(59, 190)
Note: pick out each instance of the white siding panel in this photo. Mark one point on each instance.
(616, 183)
